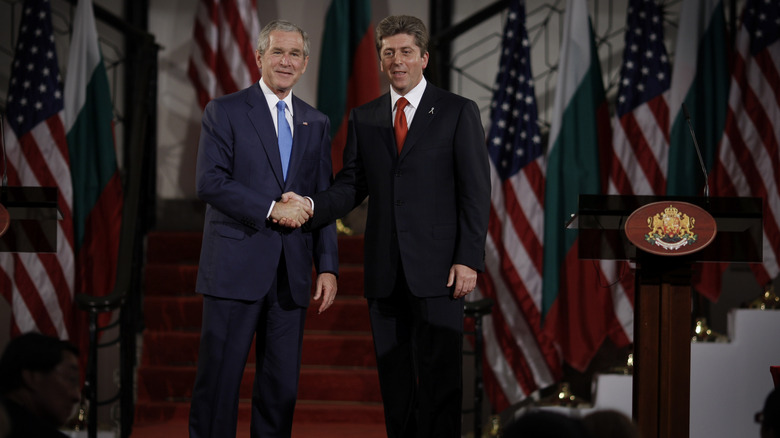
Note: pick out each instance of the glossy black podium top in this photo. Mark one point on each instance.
(34, 214)
(601, 223)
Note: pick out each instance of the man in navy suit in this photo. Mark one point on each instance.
(429, 200)
(255, 276)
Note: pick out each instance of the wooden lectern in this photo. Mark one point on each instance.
(33, 215)
(662, 301)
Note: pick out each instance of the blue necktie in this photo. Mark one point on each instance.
(285, 137)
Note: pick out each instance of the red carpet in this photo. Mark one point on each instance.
(339, 388)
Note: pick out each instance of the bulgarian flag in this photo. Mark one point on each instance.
(97, 190)
(700, 79)
(349, 67)
(576, 306)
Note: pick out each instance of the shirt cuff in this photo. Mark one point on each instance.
(268, 215)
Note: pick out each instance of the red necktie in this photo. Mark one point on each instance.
(400, 123)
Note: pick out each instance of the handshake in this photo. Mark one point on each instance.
(292, 210)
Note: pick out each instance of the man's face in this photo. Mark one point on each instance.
(283, 62)
(56, 394)
(402, 62)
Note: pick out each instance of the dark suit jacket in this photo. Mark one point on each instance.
(430, 205)
(239, 173)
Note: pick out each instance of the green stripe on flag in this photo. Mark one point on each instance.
(346, 23)
(91, 148)
(707, 102)
(572, 169)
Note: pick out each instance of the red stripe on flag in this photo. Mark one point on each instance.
(522, 302)
(224, 18)
(643, 152)
(580, 322)
(535, 177)
(33, 301)
(522, 228)
(748, 163)
(507, 342)
(240, 34)
(493, 389)
(362, 87)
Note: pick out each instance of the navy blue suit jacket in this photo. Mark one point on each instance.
(239, 174)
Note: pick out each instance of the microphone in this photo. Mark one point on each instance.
(4, 183)
(698, 151)
(5, 218)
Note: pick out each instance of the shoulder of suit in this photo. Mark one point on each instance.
(440, 93)
(240, 94)
(310, 110)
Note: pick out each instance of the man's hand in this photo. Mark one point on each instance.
(464, 279)
(291, 211)
(326, 289)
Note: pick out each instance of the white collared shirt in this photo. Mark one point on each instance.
(414, 97)
(271, 99)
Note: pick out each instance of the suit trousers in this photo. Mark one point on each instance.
(226, 339)
(419, 349)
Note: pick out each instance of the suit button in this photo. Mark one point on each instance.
(399, 203)
(398, 174)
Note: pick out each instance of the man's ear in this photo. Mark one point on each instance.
(29, 378)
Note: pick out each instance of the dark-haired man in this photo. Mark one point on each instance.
(40, 385)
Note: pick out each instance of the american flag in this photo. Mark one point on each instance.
(641, 126)
(637, 162)
(222, 59)
(520, 358)
(748, 161)
(39, 287)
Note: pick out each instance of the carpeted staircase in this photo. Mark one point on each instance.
(338, 383)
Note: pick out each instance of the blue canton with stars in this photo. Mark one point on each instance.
(762, 21)
(35, 90)
(514, 139)
(646, 72)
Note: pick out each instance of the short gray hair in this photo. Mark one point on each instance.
(285, 26)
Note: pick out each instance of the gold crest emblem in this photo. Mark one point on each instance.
(671, 229)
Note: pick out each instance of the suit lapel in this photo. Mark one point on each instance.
(260, 117)
(423, 116)
(384, 113)
(301, 132)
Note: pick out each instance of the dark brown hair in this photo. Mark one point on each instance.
(395, 24)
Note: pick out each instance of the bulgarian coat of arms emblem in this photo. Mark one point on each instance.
(671, 229)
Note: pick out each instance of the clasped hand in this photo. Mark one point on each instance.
(291, 211)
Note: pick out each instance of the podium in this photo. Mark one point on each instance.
(33, 216)
(662, 301)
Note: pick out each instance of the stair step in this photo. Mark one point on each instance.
(166, 348)
(351, 250)
(305, 412)
(348, 384)
(348, 313)
(173, 247)
(338, 382)
(173, 279)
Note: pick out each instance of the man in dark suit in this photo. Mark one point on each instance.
(255, 276)
(429, 200)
